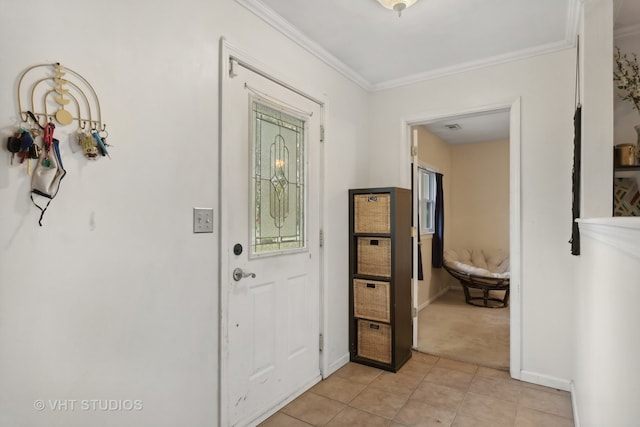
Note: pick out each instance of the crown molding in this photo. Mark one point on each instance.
(269, 16)
(473, 65)
(627, 31)
(276, 21)
(573, 20)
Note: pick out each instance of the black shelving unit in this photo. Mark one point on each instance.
(380, 324)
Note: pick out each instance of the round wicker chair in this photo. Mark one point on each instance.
(485, 270)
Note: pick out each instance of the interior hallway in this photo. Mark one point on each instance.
(427, 391)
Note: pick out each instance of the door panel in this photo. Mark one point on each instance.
(271, 150)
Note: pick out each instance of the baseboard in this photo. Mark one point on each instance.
(456, 287)
(336, 365)
(432, 299)
(574, 405)
(545, 380)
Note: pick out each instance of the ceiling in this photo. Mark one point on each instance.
(378, 50)
(626, 18)
(473, 128)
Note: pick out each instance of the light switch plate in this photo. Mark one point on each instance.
(202, 220)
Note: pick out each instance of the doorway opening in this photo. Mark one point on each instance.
(478, 153)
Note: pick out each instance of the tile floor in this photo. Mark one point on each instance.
(427, 391)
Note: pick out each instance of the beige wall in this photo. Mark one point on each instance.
(435, 154)
(479, 196)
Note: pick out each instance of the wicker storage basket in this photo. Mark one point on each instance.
(374, 341)
(371, 300)
(372, 213)
(374, 256)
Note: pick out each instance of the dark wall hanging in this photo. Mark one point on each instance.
(577, 161)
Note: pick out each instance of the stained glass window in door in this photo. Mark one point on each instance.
(278, 181)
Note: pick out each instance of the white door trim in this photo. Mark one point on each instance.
(515, 214)
(226, 53)
(414, 241)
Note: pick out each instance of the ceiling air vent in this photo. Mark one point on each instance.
(453, 126)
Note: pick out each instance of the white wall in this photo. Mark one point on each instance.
(607, 350)
(545, 85)
(606, 382)
(596, 46)
(115, 297)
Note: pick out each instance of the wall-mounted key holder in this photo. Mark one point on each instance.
(51, 93)
(51, 96)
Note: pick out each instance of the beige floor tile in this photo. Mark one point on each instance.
(313, 409)
(352, 417)
(469, 421)
(401, 383)
(493, 373)
(416, 367)
(499, 389)
(425, 358)
(421, 414)
(546, 401)
(449, 377)
(338, 388)
(358, 373)
(438, 394)
(428, 391)
(531, 418)
(283, 420)
(458, 366)
(379, 402)
(488, 409)
(543, 388)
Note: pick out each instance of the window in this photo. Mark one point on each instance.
(278, 175)
(426, 199)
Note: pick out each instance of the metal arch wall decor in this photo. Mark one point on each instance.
(62, 94)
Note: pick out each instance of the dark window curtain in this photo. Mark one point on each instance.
(437, 255)
(420, 271)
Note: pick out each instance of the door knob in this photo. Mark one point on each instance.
(239, 274)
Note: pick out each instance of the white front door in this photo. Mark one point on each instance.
(270, 181)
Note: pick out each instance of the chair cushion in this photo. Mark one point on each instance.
(479, 262)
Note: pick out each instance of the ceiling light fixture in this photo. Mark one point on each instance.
(397, 5)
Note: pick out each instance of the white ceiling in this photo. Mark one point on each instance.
(374, 47)
(379, 50)
(626, 17)
(474, 128)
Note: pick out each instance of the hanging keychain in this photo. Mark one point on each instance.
(101, 144)
(47, 139)
(88, 148)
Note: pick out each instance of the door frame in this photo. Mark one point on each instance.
(227, 52)
(515, 214)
